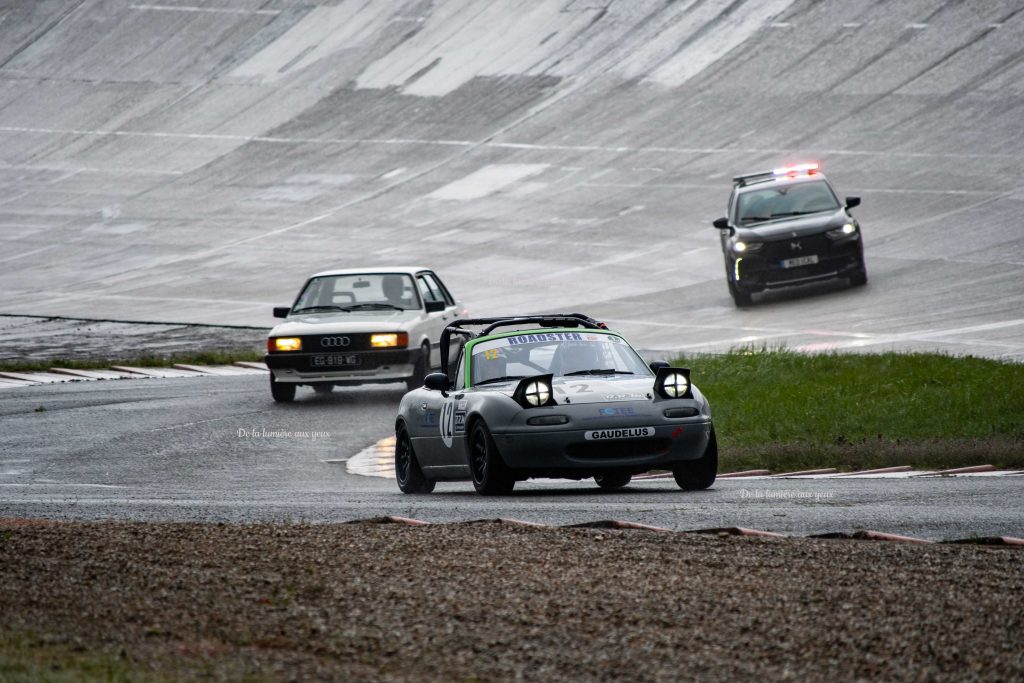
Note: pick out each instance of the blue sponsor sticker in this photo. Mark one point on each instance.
(617, 412)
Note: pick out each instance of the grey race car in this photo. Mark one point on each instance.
(559, 396)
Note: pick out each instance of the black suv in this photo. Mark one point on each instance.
(788, 227)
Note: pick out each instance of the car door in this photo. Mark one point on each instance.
(442, 427)
(426, 415)
(450, 313)
(436, 321)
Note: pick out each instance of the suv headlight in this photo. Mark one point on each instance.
(741, 247)
(845, 231)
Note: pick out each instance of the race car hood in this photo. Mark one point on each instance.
(796, 226)
(594, 389)
(346, 323)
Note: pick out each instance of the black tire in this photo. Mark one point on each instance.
(612, 481)
(323, 388)
(408, 473)
(740, 295)
(699, 474)
(283, 392)
(490, 474)
(859, 277)
(420, 370)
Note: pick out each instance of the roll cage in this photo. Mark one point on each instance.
(458, 327)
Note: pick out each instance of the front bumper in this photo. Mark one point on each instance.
(765, 270)
(552, 451)
(373, 366)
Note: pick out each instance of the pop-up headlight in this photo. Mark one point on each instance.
(673, 383)
(534, 392)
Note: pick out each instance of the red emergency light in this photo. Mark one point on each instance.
(799, 169)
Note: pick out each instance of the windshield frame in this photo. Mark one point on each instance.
(471, 356)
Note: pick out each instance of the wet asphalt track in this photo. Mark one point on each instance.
(194, 162)
(215, 449)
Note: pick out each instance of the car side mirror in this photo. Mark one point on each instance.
(437, 381)
(721, 223)
(282, 311)
(657, 364)
(852, 202)
(434, 306)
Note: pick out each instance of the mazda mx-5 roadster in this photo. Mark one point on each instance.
(554, 396)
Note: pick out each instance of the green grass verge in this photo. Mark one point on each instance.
(782, 410)
(27, 657)
(149, 361)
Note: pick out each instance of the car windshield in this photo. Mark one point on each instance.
(765, 204)
(362, 292)
(559, 353)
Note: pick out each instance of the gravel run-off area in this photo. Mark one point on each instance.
(495, 601)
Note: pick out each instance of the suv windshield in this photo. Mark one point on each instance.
(788, 200)
(559, 353)
(362, 292)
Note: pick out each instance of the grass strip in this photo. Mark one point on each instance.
(782, 410)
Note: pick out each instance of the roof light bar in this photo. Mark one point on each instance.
(809, 169)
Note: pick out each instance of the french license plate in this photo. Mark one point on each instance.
(336, 360)
(800, 261)
(623, 433)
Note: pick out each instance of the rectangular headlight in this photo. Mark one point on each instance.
(284, 344)
(388, 339)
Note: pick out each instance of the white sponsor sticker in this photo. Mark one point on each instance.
(446, 424)
(625, 433)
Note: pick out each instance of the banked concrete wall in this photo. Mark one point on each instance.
(194, 160)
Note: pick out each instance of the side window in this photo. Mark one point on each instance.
(426, 292)
(439, 288)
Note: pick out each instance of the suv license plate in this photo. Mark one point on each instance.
(800, 261)
(336, 360)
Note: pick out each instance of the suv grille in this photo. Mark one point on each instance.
(783, 249)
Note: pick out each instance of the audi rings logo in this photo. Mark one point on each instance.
(334, 342)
